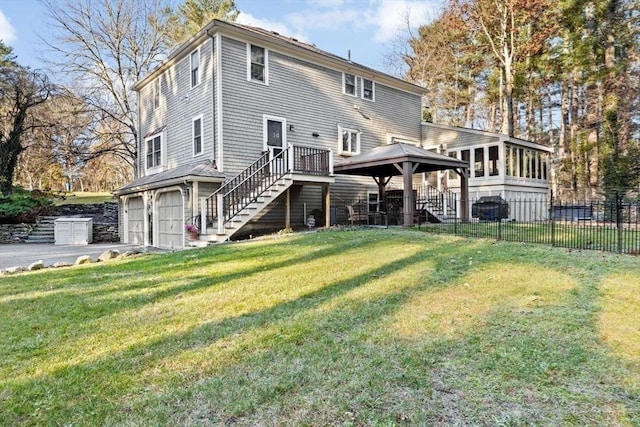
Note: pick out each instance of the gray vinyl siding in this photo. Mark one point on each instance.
(310, 98)
(179, 105)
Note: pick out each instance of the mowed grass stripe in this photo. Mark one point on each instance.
(353, 328)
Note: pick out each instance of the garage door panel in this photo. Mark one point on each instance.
(170, 212)
(135, 221)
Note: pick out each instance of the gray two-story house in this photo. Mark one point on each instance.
(240, 127)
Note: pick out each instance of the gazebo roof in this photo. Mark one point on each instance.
(387, 161)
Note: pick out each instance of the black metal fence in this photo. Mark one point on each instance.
(612, 226)
(608, 225)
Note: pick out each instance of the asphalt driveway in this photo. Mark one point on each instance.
(24, 254)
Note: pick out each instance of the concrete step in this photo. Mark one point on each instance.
(40, 239)
(42, 233)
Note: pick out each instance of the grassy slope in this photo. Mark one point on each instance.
(351, 328)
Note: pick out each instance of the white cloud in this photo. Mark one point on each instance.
(279, 27)
(391, 16)
(7, 32)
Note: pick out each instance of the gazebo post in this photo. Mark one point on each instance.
(382, 182)
(464, 194)
(407, 193)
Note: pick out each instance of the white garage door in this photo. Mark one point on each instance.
(135, 221)
(169, 220)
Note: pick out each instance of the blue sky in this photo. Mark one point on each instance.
(366, 27)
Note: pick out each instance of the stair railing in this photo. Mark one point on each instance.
(442, 203)
(245, 188)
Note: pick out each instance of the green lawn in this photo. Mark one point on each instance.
(370, 327)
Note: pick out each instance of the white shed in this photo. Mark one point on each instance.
(73, 231)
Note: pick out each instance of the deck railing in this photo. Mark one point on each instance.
(246, 187)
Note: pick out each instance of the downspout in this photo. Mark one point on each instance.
(217, 101)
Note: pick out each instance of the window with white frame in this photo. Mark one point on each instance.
(257, 63)
(195, 68)
(349, 84)
(154, 151)
(368, 89)
(373, 199)
(349, 142)
(156, 93)
(197, 135)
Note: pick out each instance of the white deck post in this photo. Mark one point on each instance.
(330, 162)
(203, 215)
(290, 159)
(219, 210)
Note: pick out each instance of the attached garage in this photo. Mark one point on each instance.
(135, 221)
(170, 220)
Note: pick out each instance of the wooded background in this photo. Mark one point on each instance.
(565, 74)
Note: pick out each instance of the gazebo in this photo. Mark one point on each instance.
(383, 163)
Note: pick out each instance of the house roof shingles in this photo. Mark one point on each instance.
(203, 171)
(382, 161)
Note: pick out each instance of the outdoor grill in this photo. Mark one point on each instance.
(490, 208)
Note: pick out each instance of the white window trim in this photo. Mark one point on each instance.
(378, 201)
(193, 135)
(344, 85)
(358, 141)
(191, 68)
(266, 65)
(393, 138)
(156, 93)
(373, 89)
(163, 149)
(265, 119)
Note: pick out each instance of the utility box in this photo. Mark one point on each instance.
(73, 231)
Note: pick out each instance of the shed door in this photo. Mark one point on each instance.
(135, 221)
(170, 220)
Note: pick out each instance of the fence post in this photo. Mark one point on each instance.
(619, 220)
(553, 222)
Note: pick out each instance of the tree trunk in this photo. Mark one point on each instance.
(11, 149)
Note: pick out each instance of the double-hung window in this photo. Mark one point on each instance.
(478, 158)
(494, 154)
(156, 93)
(368, 89)
(195, 68)
(154, 151)
(257, 63)
(349, 143)
(197, 135)
(349, 84)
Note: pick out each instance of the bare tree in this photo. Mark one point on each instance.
(103, 47)
(21, 90)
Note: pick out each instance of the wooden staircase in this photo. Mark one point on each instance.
(243, 197)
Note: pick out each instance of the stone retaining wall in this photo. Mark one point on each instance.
(105, 222)
(14, 233)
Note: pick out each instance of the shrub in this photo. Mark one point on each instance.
(23, 206)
